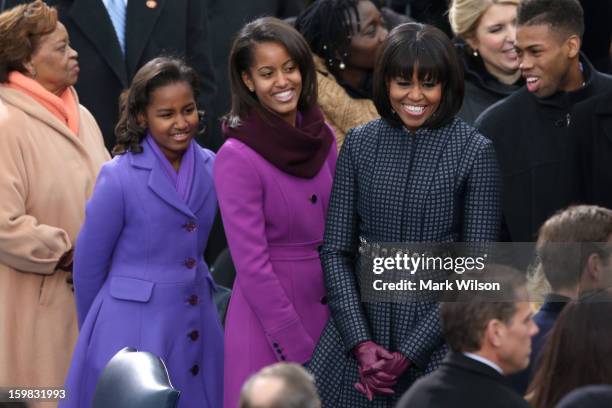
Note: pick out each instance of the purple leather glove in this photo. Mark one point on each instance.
(397, 365)
(371, 357)
(382, 376)
(368, 354)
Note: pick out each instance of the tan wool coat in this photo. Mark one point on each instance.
(46, 175)
(341, 111)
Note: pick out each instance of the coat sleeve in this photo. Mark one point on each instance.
(339, 252)
(240, 192)
(482, 201)
(104, 220)
(26, 244)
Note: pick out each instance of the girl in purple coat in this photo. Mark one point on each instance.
(140, 280)
(273, 176)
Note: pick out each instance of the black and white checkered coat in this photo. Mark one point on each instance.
(391, 185)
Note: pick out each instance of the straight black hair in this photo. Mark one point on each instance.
(425, 48)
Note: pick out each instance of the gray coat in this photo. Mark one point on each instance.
(391, 185)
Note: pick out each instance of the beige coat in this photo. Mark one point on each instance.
(46, 176)
(341, 111)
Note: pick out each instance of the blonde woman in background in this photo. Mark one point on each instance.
(486, 32)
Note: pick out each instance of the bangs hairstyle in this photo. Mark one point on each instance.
(153, 75)
(425, 48)
(242, 58)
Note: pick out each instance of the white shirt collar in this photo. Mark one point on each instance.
(484, 361)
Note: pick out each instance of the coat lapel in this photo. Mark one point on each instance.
(202, 181)
(92, 19)
(158, 180)
(39, 112)
(140, 22)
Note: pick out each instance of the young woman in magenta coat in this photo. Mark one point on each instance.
(140, 280)
(273, 177)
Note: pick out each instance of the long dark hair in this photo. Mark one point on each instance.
(578, 351)
(154, 74)
(262, 30)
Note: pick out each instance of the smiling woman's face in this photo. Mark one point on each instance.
(494, 39)
(276, 80)
(54, 63)
(413, 100)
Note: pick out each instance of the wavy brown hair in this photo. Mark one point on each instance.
(154, 74)
(21, 28)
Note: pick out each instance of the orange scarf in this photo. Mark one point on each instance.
(63, 107)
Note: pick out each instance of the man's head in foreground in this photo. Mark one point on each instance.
(281, 385)
(497, 326)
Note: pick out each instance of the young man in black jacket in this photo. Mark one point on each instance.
(530, 127)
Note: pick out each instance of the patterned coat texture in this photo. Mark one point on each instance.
(391, 185)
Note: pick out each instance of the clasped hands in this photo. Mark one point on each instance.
(379, 369)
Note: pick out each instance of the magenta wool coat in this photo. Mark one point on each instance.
(140, 280)
(274, 224)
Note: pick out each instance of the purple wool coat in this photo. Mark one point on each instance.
(140, 280)
(274, 225)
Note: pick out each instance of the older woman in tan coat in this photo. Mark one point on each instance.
(51, 150)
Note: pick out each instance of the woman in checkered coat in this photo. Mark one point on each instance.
(417, 175)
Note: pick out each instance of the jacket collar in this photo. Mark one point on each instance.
(458, 360)
(27, 104)
(161, 186)
(565, 100)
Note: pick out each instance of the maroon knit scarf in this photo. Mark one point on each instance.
(299, 151)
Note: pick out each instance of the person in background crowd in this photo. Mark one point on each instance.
(490, 337)
(432, 12)
(273, 176)
(114, 38)
(285, 385)
(140, 280)
(344, 35)
(597, 39)
(51, 150)
(530, 127)
(591, 130)
(571, 250)
(408, 177)
(486, 31)
(576, 353)
(589, 396)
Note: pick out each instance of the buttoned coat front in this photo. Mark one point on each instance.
(391, 185)
(47, 173)
(274, 224)
(141, 282)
